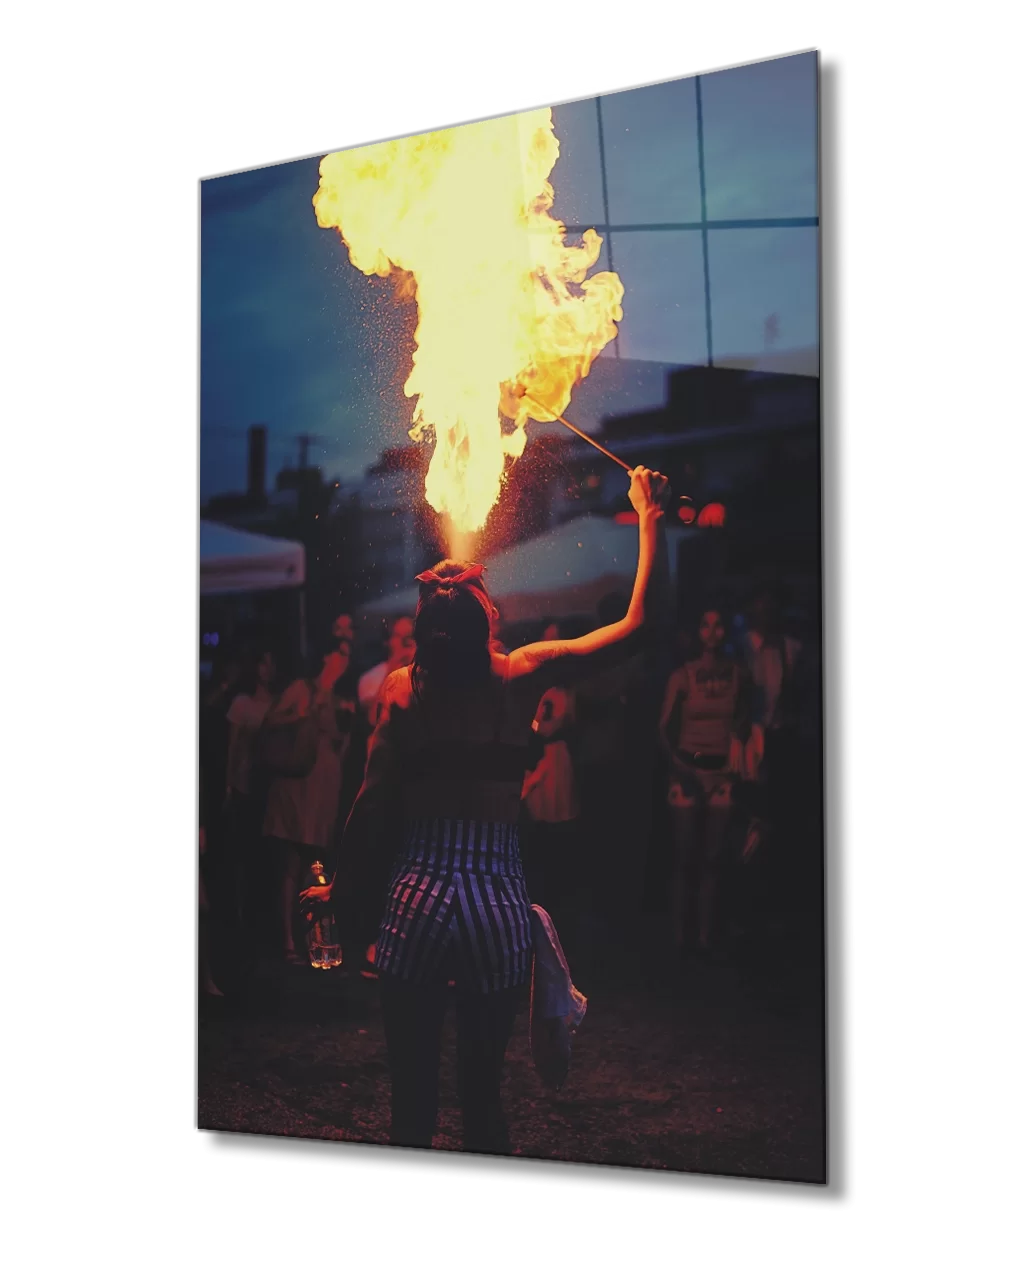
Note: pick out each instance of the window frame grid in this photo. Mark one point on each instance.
(607, 228)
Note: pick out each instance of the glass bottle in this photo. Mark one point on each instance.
(321, 928)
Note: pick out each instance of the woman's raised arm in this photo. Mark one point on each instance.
(647, 492)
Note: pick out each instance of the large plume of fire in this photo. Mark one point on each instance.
(506, 310)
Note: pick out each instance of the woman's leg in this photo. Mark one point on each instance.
(205, 973)
(485, 1025)
(241, 857)
(252, 894)
(289, 896)
(718, 814)
(206, 981)
(413, 1018)
(686, 811)
(684, 833)
(265, 881)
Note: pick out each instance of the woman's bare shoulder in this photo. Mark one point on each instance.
(238, 708)
(397, 688)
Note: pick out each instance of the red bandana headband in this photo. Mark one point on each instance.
(472, 573)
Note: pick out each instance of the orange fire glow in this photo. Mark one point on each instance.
(505, 306)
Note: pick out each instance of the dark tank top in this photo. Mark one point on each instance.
(463, 752)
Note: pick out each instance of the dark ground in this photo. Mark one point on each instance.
(716, 1071)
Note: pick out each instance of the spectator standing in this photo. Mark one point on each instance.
(552, 804)
(401, 653)
(245, 796)
(708, 699)
(302, 811)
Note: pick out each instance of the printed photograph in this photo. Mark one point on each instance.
(510, 719)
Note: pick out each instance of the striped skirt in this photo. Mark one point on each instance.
(458, 906)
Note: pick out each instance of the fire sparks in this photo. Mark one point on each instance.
(505, 306)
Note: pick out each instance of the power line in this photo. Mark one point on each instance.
(304, 439)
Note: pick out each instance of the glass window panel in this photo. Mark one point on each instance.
(764, 297)
(663, 306)
(576, 176)
(760, 139)
(650, 143)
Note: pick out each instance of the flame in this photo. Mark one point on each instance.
(505, 305)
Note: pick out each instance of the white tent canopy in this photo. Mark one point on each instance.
(232, 561)
(564, 571)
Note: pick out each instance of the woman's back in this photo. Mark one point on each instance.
(459, 751)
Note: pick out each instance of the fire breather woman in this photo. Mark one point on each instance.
(449, 753)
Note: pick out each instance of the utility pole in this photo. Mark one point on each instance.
(304, 441)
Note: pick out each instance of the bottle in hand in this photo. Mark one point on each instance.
(321, 929)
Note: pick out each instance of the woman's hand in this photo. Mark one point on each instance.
(648, 491)
(532, 781)
(315, 893)
(291, 706)
(736, 754)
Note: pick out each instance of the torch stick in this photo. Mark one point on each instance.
(582, 434)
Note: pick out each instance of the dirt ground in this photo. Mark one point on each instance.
(704, 1071)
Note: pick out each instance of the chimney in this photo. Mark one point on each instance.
(257, 486)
